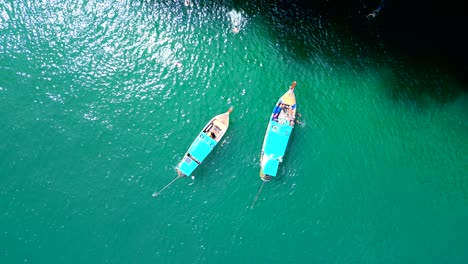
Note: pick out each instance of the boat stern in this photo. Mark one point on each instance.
(186, 166)
(269, 168)
(180, 173)
(265, 177)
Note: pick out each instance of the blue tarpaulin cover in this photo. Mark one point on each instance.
(275, 146)
(277, 139)
(200, 148)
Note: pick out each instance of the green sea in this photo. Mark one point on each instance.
(99, 101)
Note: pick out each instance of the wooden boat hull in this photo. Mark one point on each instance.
(277, 135)
(204, 143)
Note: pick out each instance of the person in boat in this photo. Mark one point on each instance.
(291, 122)
(212, 134)
(290, 110)
(210, 131)
(277, 111)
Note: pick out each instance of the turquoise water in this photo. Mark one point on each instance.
(101, 99)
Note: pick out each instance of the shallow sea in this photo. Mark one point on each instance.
(99, 100)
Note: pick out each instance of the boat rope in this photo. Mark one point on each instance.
(258, 193)
(157, 193)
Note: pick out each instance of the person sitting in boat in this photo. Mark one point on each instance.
(281, 107)
(291, 114)
(276, 112)
(212, 134)
(293, 107)
(292, 121)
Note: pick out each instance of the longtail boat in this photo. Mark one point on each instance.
(203, 144)
(277, 134)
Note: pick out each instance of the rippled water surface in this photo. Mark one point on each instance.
(99, 100)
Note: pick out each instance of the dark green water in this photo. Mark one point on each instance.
(96, 115)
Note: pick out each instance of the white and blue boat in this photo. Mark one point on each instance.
(277, 135)
(203, 144)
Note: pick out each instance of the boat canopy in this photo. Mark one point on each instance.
(277, 139)
(275, 146)
(201, 147)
